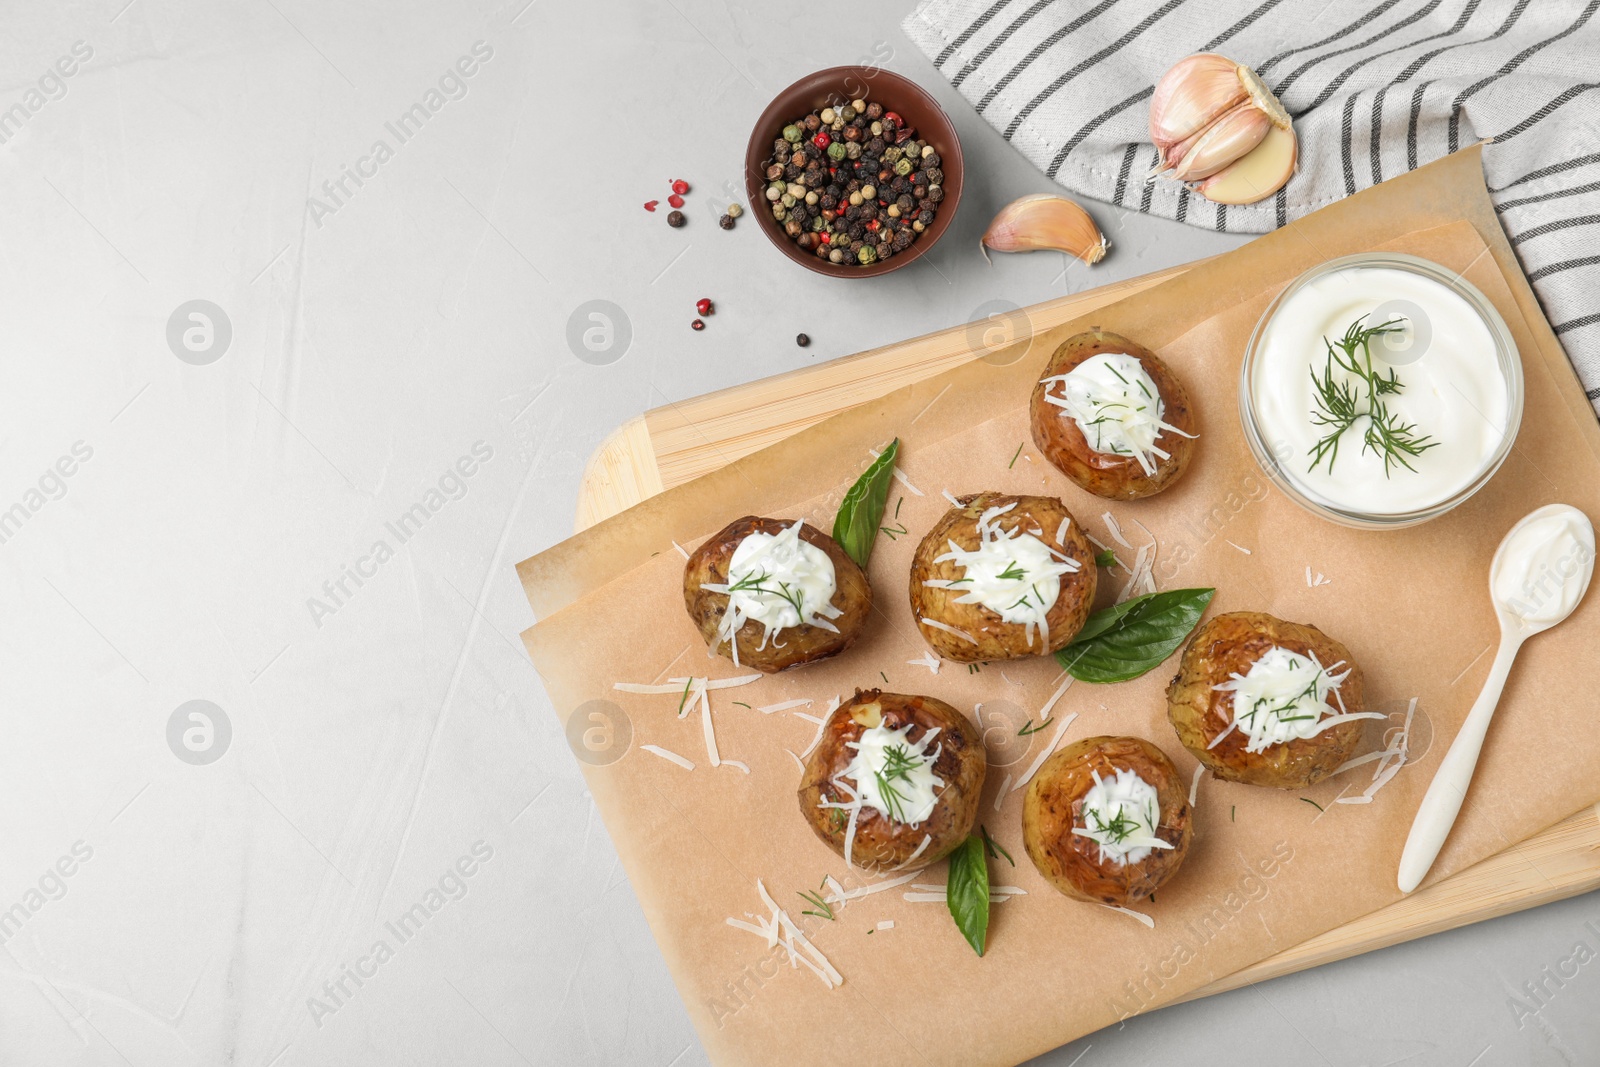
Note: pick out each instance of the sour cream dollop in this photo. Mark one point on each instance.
(1544, 566)
(1121, 814)
(1116, 405)
(1284, 697)
(779, 581)
(1012, 573)
(894, 774)
(1452, 389)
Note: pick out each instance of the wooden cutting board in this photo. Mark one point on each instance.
(671, 445)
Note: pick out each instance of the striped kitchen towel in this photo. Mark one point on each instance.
(1394, 84)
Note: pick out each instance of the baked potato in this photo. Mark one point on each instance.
(934, 785)
(1294, 739)
(975, 549)
(1106, 820)
(745, 589)
(1122, 471)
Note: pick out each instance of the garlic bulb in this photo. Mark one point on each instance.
(1207, 113)
(1042, 221)
(1258, 174)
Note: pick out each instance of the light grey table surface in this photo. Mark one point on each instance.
(231, 876)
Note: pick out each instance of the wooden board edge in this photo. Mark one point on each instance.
(621, 472)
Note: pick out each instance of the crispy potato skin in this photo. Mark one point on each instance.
(882, 843)
(1112, 477)
(800, 644)
(1229, 644)
(1053, 805)
(996, 638)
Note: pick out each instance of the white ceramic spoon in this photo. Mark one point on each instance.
(1539, 574)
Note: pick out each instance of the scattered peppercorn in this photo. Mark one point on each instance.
(704, 306)
(851, 183)
(680, 186)
(802, 340)
(675, 200)
(735, 209)
(697, 325)
(650, 205)
(675, 219)
(726, 222)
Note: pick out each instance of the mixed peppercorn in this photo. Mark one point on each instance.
(853, 184)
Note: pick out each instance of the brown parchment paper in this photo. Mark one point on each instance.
(1267, 869)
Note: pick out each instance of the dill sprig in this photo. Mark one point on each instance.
(819, 907)
(1340, 405)
(755, 583)
(898, 763)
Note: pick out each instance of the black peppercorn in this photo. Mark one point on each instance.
(774, 172)
(802, 340)
(813, 123)
(935, 193)
(697, 324)
(930, 159)
(852, 133)
(874, 111)
(935, 176)
(902, 240)
(726, 222)
(675, 219)
(904, 202)
(925, 216)
(875, 146)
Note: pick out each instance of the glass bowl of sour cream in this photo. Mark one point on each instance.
(1380, 390)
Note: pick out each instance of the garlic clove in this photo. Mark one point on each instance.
(1256, 175)
(1042, 221)
(1264, 98)
(1193, 94)
(1226, 140)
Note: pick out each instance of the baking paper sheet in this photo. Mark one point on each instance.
(1268, 869)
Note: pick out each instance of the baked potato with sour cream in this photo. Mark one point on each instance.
(984, 632)
(1106, 474)
(1231, 645)
(878, 840)
(1055, 818)
(837, 603)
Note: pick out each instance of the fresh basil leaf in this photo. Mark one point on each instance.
(967, 891)
(1128, 639)
(861, 510)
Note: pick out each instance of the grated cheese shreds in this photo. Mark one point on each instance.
(815, 741)
(1141, 916)
(705, 723)
(948, 495)
(1061, 531)
(833, 883)
(937, 625)
(876, 887)
(1095, 541)
(684, 552)
(928, 660)
(1115, 531)
(1033, 768)
(735, 763)
(798, 762)
(768, 709)
(899, 475)
(675, 686)
(669, 756)
(887, 924)
(1055, 698)
(1194, 786)
(1000, 797)
(796, 936)
(927, 839)
(1241, 548)
(1308, 576)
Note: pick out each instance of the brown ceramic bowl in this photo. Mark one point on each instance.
(826, 88)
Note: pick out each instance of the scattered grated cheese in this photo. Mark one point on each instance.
(1141, 916)
(937, 625)
(815, 741)
(833, 883)
(705, 722)
(1194, 786)
(798, 762)
(1049, 705)
(735, 763)
(1308, 576)
(927, 659)
(768, 709)
(887, 924)
(1000, 797)
(796, 936)
(1038, 762)
(1061, 531)
(1095, 541)
(899, 476)
(681, 550)
(926, 840)
(675, 686)
(1241, 548)
(923, 893)
(669, 756)
(951, 497)
(868, 890)
(1008, 678)
(1114, 530)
